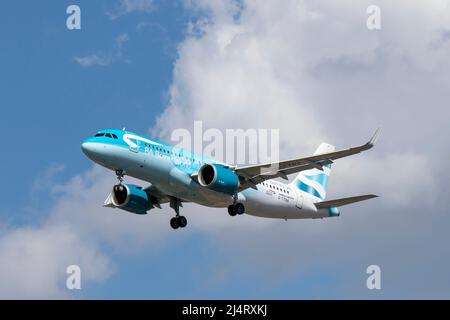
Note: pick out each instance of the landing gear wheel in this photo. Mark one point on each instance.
(232, 210)
(239, 208)
(174, 223)
(182, 221)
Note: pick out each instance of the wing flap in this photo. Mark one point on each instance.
(159, 196)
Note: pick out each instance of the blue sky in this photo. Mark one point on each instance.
(311, 69)
(51, 104)
(49, 97)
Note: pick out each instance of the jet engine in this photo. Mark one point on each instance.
(218, 178)
(130, 198)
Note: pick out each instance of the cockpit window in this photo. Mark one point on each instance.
(106, 134)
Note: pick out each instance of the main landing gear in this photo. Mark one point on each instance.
(177, 221)
(237, 208)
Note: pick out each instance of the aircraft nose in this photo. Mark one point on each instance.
(89, 149)
(86, 147)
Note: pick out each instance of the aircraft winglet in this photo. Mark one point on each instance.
(374, 138)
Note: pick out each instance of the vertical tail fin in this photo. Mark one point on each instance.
(315, 181)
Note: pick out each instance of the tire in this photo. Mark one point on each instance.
(174, 223)
(239, 208)
(232, 210)
(182, 221)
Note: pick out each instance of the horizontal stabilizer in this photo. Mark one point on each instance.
(343, 201)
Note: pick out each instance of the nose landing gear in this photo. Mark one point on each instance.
(120, 174)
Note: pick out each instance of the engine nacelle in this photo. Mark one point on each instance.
(218, 178)
(129, 197)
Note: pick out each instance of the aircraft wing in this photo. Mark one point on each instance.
(343, 201)
(255, 174)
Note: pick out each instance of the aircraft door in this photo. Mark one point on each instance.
(299, 202)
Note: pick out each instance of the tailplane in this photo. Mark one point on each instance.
(343, 201)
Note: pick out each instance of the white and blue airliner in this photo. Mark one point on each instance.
(177, 176)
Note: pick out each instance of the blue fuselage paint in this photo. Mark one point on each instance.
(170, 170)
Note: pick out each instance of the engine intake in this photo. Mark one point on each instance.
(131, 198)
(218, 178)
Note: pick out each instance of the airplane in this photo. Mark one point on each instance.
(178, 176)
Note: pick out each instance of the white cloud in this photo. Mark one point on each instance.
(120, 40)
(33, 261)
(313, 70)
(130, 6)
(105, 59)
(45, 180)
(93, 60)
